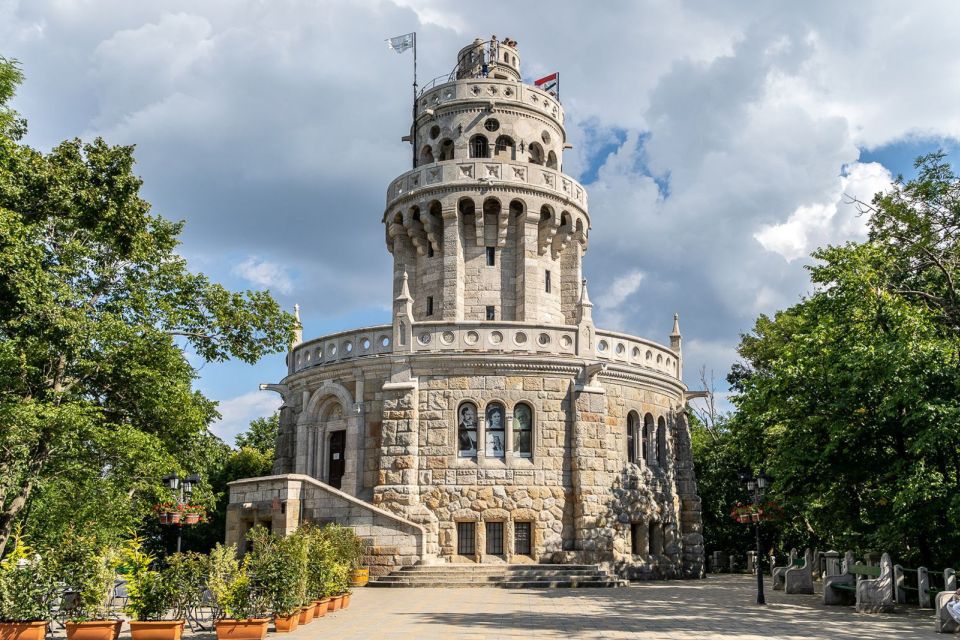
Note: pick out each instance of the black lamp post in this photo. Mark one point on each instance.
(182, 489)
(756, 487)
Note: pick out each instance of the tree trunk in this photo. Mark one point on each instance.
(11, 510)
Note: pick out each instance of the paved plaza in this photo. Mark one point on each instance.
(719, 607)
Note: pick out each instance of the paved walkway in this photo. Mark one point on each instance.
(720, 607)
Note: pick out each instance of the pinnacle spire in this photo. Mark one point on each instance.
(584, 297)
(298, 330)
(405, 289)
(676, 325)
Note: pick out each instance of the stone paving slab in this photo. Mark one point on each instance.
(721, 607)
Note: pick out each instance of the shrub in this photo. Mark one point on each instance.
(26, 586)
(187, 575)
(86, 567)
(236, 596)
(150, 595)
(278, 567)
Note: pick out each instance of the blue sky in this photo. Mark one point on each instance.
(717, 140)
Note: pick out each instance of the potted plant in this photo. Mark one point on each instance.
(187, 573)
(319, 560)
(278, 567)
(87, 568)
(150, 596)
(348, 551)
(241, 609)
(192, 513)
(25, 593)
(168, 512)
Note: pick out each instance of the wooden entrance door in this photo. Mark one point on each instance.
(335, 464)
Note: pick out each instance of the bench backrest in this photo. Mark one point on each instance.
(864, 570)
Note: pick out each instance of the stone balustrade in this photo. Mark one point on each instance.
(484, 337)
(501, 92)
(487, 172)
(626, 349)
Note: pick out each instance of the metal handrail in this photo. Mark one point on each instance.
(450, 77)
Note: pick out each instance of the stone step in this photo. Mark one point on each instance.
(514, 576)
(600, 583)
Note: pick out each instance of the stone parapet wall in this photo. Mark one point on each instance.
(287, 501)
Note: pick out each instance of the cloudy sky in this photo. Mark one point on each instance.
(717, 140)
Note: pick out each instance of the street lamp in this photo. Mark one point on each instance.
(182, 489)
(756, 487)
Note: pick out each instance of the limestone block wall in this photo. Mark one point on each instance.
(285, 502)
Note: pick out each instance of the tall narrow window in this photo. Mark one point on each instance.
(661, 442)
(467, 430)
(546, 280)
(491, 312)
(491, 256)
(521, 538)
(494, 538)
(523, 430)
(466, 538)
(632, 425)
(429, 305)
(638, 539)
(647, 444)
(479, 147)
(495, 432)
(655, 539)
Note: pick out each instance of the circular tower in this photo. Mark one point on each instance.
(492, 413)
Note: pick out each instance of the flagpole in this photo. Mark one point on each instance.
(414, 100)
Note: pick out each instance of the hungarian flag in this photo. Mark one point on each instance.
(550, 84)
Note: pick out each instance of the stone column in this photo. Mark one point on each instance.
(528, 267)
(452, 298)
(691, 526)
(593, 532)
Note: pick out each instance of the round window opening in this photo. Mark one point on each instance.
(545, 136)
(492, 124)
(434, 132)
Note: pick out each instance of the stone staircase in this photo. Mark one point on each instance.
(506, 576)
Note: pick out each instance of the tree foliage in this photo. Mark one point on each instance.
(262, 434)
(96, 310)
(851, 398)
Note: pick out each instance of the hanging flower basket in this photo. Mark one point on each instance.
(751, 513)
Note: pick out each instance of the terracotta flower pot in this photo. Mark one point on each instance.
(23, 630)
(359, 577)
(191, 518)
(250, 629)
(94, 630)
(320, 608)
(156, 629)
(346, 601)
(286, 624)
(307, 613)
(335, 602)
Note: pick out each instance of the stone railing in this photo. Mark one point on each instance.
(505, 337)
(338, 347)
(626, 349)
(487, 172)
(483, 337)
(488, 89)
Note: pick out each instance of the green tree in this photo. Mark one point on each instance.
(851, 398)
(262, 434)
(96, 310)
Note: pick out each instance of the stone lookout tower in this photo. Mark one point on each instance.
(491, 421)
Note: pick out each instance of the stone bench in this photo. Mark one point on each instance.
(779, 573)
(872, 588)
(926, 593)
(944, 622)
(799, 579)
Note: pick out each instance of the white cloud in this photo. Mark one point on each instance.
(811, 226)
(237, 413)
(620, 289)
(263, 273)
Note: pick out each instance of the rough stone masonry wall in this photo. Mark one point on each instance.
(285, 502)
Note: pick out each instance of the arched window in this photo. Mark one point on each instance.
(536, 153)
(446, 149)
(505, 146)
(523, 430)
(426, 155)
(495, 433)
(552, 160)
(633, 424)
(647, 445)
(467, 430)
(661, 442)
(479, 147)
